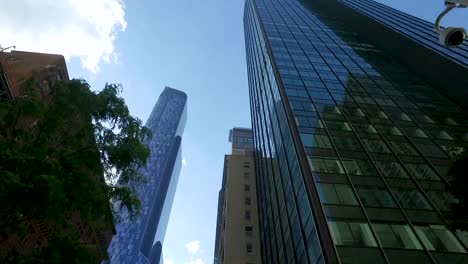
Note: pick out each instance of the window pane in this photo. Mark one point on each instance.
(307, 140)
(391, 169)
(406, 235)
(396, 236)
(352, 234)
(338, 125)
(334, 166)
(422, 172)
(322, 141)
(328, 194)
(402, 148)
(375, 197)
(317, 165)
(386, 236)
(439, 238)
(352, 167)
(341, 233)
(346, 194)
(411, 199)
(373, 145)
(362, 235)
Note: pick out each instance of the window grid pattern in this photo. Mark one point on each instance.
(166, 122)
(389, 133)
(287, 227)
(412, 27)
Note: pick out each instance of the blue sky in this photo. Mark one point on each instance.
(197, 47)
(194, 46)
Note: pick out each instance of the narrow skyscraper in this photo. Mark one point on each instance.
(141, 242)
(351, 134)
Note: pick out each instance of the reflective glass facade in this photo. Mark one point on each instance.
(141, 242)
(350, 146)
(412, 27)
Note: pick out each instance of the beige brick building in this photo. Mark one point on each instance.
(237, 233)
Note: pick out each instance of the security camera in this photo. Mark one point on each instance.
(451, 37)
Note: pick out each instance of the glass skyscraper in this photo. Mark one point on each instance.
(351, 137)
(141, 242)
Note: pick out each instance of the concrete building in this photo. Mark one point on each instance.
(353, 117)
(237, 233)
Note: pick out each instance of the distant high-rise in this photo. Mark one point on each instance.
(141, 242)
(242, 140)
(353, 114)
(237, 232)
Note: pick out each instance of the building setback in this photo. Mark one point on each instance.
(350, 136)
(141, 242)
(237, 232)
(242, 141)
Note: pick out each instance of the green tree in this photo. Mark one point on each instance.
(70, 151)
(458, 184)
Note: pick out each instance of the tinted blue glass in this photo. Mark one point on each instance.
(141, 242)
(364, 120)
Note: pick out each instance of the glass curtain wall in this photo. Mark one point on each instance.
(375, 138)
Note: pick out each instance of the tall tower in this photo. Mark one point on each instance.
(237, 231)
(141, 242)
(351, 134)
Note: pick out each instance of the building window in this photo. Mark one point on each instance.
(247, 215)
(337, 125)
(374, 145)
(391, 169)
(396, 236)
(247, 187)
(352, 234)
(411, 199)
(439, 238)
(325, 165)
(337, 194)
(316, 141)
(248, 231)
(421, 171)
(375, 197)
(249, 248)
(248, 201)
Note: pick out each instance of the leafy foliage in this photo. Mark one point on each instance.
(71, 151)
(458, 177)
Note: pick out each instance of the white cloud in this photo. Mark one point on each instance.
(168, 260)
(193, 247)
(195, 261)
(184, 162)
(74, 28)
